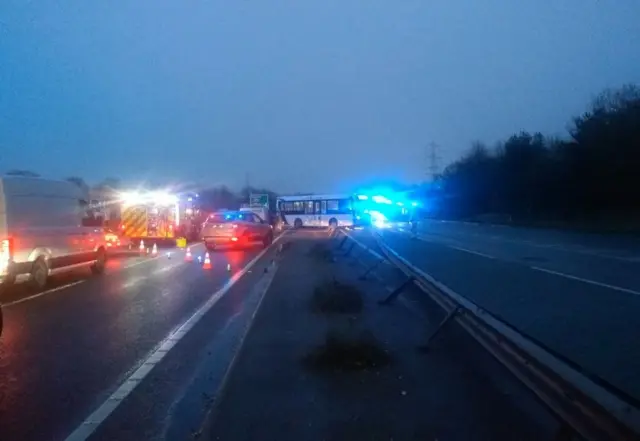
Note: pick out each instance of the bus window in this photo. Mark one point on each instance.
(339, 206)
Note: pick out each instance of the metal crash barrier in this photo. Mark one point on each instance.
(585, 404)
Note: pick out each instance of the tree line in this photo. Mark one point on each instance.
(211, 198)
(593, 174)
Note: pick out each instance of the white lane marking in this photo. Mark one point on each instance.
(218, 396)
(591, 282)
(471, 252)
(40, 294)
(69, 285)
(93, 421)
(563, 247)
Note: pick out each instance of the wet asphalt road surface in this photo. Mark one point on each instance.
(65, 350)
(577, 294)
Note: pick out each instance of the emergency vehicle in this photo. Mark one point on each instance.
(149, 216)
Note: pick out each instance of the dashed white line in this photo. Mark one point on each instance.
(591, 282)
(93, 421)
(40, 294)
(477, 253)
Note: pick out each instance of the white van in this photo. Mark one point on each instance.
(42, 232)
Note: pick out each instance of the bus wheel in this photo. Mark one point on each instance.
(297, 223)
(333, 223)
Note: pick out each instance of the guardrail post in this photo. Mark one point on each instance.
(443, 323)
(371, 268)
(353, 244)
(396, 292)
(342, 242)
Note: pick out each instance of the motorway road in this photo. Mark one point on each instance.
(578, 294)
(64, 351)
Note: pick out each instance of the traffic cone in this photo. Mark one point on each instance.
(207, 262)
(141, 248)
(154, 250)
(188, 257)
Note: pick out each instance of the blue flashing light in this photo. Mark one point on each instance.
(363, 197)
(399, 204)
(381, 199)
(414, 204)
(379, 219)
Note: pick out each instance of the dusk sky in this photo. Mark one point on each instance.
(301, 95)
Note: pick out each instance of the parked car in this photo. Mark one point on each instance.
(236, 229)
(42, 231)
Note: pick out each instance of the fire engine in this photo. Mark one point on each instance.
(151, 215)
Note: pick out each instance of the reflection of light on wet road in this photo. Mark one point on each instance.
(114, 264)
(40, 294)
(136, 280)
(167, 268)
(234, 258)
(133, 282)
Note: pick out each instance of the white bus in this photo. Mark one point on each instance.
(324, 210)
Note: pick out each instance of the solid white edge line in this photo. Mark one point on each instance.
(219, 394)
(590, 282)
(98, 416)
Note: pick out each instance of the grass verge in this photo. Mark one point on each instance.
(341, 352)
(333, 297)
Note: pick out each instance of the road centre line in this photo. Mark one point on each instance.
(98, 416)
(471, 252)
(69, 285)
(40, 294)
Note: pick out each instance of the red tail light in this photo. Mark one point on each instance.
(6, 254)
